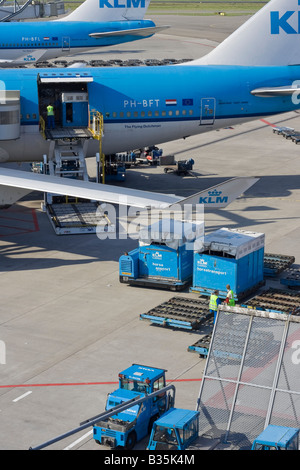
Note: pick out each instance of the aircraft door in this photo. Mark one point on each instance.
(65, 43)
(207, 111)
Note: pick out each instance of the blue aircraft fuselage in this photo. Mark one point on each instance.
(52, 38)
(151, 105)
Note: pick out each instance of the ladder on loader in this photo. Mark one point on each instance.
(67, 158)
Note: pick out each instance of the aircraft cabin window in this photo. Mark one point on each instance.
(190, 112)
(170, 113)
(156, 113)
(177, 112)
(163, 113)
(128, 114)
(135, 114)
(121, 114)
(143, 113)
(184, 112)
(149, 113)
(114, 114)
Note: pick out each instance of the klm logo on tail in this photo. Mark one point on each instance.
(122, 3)
(214, 197)
(282, 23)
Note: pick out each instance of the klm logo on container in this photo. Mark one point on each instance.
(214, 197)
(283, 22)
(122, 3)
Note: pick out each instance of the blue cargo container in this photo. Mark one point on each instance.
(164, 257)
(229, 256)
(74, 109)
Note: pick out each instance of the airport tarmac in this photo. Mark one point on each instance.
(69, 326)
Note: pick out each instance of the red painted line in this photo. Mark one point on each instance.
(28, 225)
(82, 383)
(35, 220)
(268, 123)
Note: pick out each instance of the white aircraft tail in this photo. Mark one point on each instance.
(109, 10)
(270, 37)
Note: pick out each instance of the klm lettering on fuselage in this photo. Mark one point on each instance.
(289, 22)
(122, 3)
(214, 197)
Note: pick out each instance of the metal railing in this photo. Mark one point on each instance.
(251, 378)
(97, 129)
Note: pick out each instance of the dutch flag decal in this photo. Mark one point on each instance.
(171, 102)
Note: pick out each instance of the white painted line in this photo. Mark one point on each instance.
(78, 440)
(22, 396)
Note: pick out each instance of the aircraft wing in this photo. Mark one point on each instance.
(217, 197)
(133, 32)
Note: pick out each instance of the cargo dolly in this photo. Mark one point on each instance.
(291, 278)
(274, 264)
(201, 346)
(180, 312)
(276, 300)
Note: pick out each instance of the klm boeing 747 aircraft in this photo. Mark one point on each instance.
(94, 24)
(253, 74)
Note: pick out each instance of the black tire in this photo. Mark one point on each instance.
(131, 441)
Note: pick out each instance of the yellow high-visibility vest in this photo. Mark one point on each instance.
(231, 301)
(50, 110)
(213, 302)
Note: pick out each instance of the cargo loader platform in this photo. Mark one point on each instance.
(68, 133)
(78, 218)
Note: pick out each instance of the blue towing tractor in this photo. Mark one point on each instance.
(141, 385)
(277, 438)
(177, 429)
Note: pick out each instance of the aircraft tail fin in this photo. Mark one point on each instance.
(270, 37)
(109, 10)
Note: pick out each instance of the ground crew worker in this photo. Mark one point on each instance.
(213, 303)
(50, 117)
(230, 296)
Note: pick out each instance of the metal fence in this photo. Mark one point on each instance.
(251, 378)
